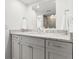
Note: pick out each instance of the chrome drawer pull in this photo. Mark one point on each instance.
(30, 46)
(58, 46)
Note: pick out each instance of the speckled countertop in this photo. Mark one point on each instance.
(52, 36)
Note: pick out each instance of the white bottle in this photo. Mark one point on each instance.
(24, 23)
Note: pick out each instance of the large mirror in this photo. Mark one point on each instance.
(54, 14)
(47, 10)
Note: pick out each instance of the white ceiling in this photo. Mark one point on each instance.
(28, 2)
(45, 6)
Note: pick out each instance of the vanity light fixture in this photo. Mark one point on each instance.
(52, 16)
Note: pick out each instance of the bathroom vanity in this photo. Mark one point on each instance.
(40, 46)
(51, 22)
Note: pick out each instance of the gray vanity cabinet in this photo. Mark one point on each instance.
(56, 55)
(51, 54)
(15, 46)
(58, 50)
(26, 51)
(31, 48)
(25, 47)
(38, 53)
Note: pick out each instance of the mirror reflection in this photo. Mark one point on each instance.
(49, 21)
(54, 14)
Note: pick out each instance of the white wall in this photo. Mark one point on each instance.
(61, 5)
(15, 10)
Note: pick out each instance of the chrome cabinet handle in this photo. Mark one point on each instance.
(25, 44)
(58, 46)
(49, 44)
(30, 46)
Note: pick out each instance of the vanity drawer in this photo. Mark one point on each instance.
(32, 40)
(15, 37)
(59, 46)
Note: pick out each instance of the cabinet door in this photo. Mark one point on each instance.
(26, 52)
(58, 50)
(15, 49)
(51, 54)
(38, 53)
(30, 51)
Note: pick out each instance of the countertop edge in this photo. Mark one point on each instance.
(45, 38)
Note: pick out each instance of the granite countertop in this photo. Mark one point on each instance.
(56, 36)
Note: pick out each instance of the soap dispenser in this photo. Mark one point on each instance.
(24, 24)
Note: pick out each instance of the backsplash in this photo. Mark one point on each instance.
(56, 31)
